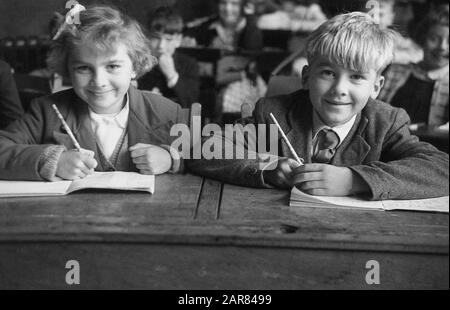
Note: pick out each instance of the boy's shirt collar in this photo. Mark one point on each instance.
(219, 27)
(341, 130)
(225, 39)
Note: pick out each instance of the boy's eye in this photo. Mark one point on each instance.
(357, 77)
(82, 69)
(327, 73)
(433, 38)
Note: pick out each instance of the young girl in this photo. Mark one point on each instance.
(117, 126)
(422, 88)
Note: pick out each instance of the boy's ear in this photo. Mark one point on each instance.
(305, 77)
(377, 87)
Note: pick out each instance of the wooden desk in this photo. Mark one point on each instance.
(200, 234)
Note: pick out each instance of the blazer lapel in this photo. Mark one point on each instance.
(298, 132)
(76, 115)
(354, 148)
(62, 138)
(144, 125)
(83, 132)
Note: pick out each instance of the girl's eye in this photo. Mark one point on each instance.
(113, 67)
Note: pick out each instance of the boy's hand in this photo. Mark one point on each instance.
(249, 8)
(281, 176)
(150, 159)
(167, 66)
(75, 164)
(328, 180)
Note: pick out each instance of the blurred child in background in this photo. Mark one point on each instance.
(422, 88)
(176, 76)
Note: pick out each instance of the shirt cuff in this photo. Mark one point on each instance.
(268, 166)
(48, 162)
(266, 162)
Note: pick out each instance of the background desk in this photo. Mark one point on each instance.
(200, 234)
(431, 134)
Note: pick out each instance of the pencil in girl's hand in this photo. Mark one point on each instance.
(298, 159)
(66, 127)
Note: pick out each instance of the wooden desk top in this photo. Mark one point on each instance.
(102, 216)
(266, 212)
(200, 234)
(189, 209)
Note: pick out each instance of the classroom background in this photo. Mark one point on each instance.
(276, 68)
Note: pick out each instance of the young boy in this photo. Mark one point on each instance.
(176, 75)
(350, 142)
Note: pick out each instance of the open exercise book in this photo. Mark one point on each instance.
(118, 180)
(300, 199)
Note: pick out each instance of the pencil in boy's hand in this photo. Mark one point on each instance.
(298, 159)
(66, 127)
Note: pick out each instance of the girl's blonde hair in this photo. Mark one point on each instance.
(102, 27)
(353, 41)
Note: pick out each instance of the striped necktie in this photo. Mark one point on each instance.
(328, 141)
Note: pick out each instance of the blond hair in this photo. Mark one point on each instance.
(353, 41)
(102, 27)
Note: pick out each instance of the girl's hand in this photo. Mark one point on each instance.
(74, 164)
(150, 159)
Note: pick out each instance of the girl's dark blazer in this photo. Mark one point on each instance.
(379, 148)
(22, 144)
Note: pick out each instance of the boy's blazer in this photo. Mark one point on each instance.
(22, 144)
(186, 91)
(379, 147)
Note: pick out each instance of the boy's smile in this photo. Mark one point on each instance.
(100, 79)
(436, 47)
(336, 93)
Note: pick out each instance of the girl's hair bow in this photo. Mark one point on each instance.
(70, 20)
